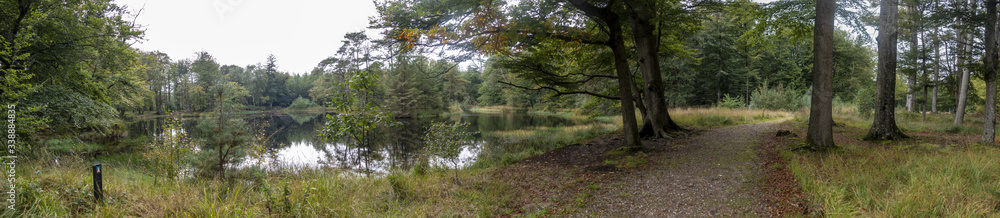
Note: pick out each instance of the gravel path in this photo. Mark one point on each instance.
(709, 175)
(715, 173)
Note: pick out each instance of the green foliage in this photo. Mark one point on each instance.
(66, 111)
(447, 140)
(865, 102)
(412, 94)
(225, 138)
(776, 99)
(77, 52)
(168, 149)
(301, 103)
(358, 114)
(730, 102)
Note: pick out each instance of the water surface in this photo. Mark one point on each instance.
(294, 141)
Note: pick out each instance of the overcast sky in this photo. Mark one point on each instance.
(300, 33)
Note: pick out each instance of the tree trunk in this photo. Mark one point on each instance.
(923, 107)
(820, 133)
(884, 125)
(963, 88)
(657, 121)
(911, 75)
(617, 43)
(624, 82)
(937, 66)
(989, 122)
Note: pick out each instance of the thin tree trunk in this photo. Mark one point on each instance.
(989, 122)
(911, 81)
(923, 107)
(937, 66)
(963, 88)
(884, 125)
(820, 133)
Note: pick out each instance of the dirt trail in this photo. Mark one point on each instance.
(715, 173)
(712, 174)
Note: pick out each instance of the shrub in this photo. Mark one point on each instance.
(301, 104)
(730, 102)
(446, 141)
(865, 101)
(168, 149)
(775, 98)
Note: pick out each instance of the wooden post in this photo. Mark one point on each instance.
(98, 184)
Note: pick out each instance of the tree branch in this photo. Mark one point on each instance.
(560, 93)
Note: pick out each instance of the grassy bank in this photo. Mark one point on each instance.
(58, 189)
(936, 173)
(516, 145)
(49, 190)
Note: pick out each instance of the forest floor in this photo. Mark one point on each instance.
(730, 171)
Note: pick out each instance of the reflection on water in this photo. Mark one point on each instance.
(295, 144)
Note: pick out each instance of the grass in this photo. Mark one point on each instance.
(719, 117)
(515, 145)
(495, 109)
(929, 175)
(907, 121)
(50, 190)
(47, 188)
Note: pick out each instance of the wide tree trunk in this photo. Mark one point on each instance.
(963, 88)
(819, 136)
(990, 75)
(656, 121)
(884, 125)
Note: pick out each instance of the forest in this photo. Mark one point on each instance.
(638, 85)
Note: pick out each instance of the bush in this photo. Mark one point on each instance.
(446, 141)
(775, 99)
(301, 104)
(865, 101)
(730, 102)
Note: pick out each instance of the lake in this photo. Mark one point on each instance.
(295, 144)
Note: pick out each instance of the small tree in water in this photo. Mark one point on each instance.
(168, 149)
(358, 115)
(226, 138)
(446, 141)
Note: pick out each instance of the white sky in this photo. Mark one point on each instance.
(300, 33)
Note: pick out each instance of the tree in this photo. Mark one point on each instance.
(965, 46)
(446, 141)
(67, 66)
(358, 115)
(656, 120)
(488, 29)
(226, 138)
(168, 149)
(990, 75)
(884, 125)
(206, 68)
(819, 136)
(157, 69)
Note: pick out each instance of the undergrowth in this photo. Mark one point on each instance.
(925, 176)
